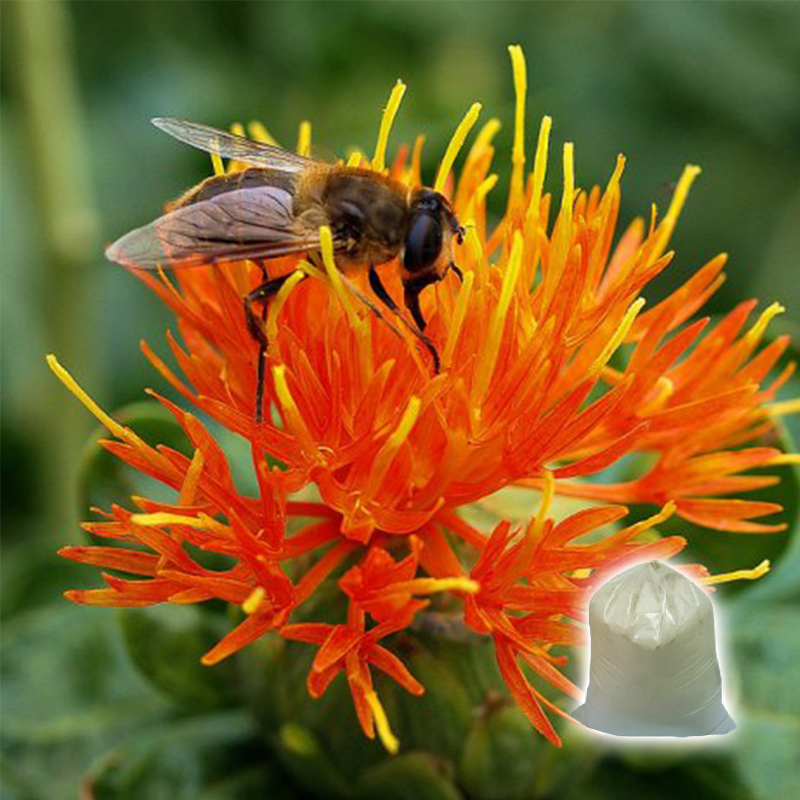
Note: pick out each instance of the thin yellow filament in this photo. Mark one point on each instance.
(304, 139)
(535, 527)
(784, 408)
(433, 585)
(216, 163)
(753, 336)
(389, 113)
(462, 303)
(293, 417)
(488, 357)
(259, 133)
(518, 151)
(456, 143)
(355, 159)
(476, 251)
(739, 575)
(200, 522)
(388, 739)
(539, 171)
(645, 524)
(189, 485)
(667, 226)
(486, 134)
(277, 304)
(395, 441)
(786, 458)
(254, 600)
(120, 431)
(326, 249)
(619, 336)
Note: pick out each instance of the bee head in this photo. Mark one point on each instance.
(432, 226)
(428, 246)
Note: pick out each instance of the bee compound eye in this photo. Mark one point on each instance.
(423, 242)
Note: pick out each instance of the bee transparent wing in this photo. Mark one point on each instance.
(228, 145)
(243, 224)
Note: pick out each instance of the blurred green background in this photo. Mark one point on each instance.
(716, 84)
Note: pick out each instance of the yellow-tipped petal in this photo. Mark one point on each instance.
(539, 171)
(456, 143)
(667, 226)
(488, 355)
(388, 739)
(292, 416)
(189, 485)
(518, 151)
(739, 575)
(304, 139)
(464, 294)
(753, 336)
(335, 277)
(433, 585)
(259, 133)
(784, 408)
(619, 335)
(254, 600)
(389, 113)
(277, 304)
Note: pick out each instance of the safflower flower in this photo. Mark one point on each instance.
(527, 396)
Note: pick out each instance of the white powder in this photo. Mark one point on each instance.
(654, 669)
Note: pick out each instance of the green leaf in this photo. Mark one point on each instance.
(210, 757)
(166, 643)
(767, 652)
(420, 776)
(499, 761)
(69, 693)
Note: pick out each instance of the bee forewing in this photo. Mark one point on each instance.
(228, 145)
(248, 223)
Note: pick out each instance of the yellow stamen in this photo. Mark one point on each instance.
(189, 485)
(388, 739)
(484, 188)
(473, 242)
(783, 408)
(739, 575)
(568, 196)
(216, 163)
(277, 304)
(201, 522)
(304, 139)
(291, 413)
(486, 134)
(539, 170)
(237, 129)
(312, 271)
(786, 458)
(389, 113)
(667, 226)
(464, 294)
(536, 525)
(432, 585)
(488, 357)
(395, 441)
(664, 389)
(456, 143)
(753, 336)
(415, 170)
(120, 431)
(326, 249)
(645, 524)
(254, 600)
(518, 152)
(619, 335)
(355, 159)
(259, 132)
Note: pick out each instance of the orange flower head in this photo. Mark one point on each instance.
(551, 371)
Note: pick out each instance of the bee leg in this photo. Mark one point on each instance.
(256, 327)
(384, 296)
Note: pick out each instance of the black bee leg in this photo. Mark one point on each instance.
(384, 296)
(256, 327)
(457, 270)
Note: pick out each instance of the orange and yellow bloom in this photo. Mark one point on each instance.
(552, 370)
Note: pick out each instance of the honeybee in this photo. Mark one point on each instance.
(276, 206)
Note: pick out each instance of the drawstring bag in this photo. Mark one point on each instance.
(654, 669)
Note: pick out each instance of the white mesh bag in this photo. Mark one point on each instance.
(654, 669)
